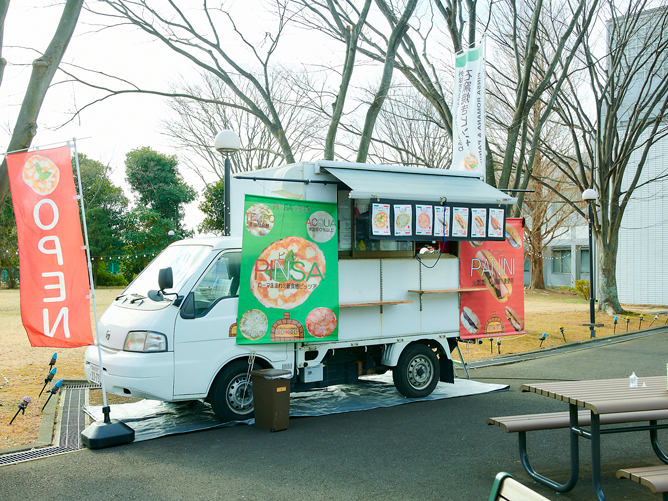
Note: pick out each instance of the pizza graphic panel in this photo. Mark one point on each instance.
(287, 272)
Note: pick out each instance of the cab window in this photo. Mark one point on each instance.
(220, 281)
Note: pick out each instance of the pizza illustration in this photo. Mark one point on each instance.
(380, 220)
(424, 220)
(41, 174)
(253, 324)
(259, 220)
(321, 322)
(287, 272)
(403, 220)
(470, 162)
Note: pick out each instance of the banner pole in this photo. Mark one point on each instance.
(90, 270)
(106, 433)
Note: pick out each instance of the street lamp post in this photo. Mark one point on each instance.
(227, 142)
(589, 195)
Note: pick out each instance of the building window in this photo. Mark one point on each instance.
(561, 261)
(584, 261)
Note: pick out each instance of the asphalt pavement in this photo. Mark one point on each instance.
(440, 450)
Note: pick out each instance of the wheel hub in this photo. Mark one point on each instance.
(240, 394)
(420, 372)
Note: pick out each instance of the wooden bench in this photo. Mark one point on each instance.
(506, 488)
(555, 420)
(654, 477)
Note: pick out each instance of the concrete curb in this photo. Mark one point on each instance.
(48, 422)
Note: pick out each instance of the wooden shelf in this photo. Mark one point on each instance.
(371, 303)
(439, 291)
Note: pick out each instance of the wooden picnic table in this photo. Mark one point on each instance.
(601, 397)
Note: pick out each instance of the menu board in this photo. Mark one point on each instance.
(417, 221)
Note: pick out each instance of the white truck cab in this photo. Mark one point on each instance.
(180, 344)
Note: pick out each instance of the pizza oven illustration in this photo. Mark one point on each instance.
(287, 329)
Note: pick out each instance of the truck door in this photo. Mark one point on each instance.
(202, 341)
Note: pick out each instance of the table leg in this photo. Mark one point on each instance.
(654, 438)
(596, 456)
(575, 458)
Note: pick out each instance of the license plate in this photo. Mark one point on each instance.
(94, 374)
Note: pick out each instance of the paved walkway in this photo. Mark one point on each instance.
(438, 450)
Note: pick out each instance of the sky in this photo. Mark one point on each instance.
(107, 130)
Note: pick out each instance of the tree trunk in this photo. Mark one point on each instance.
(537, 280)
(606, 288)
(535, 240)
(43, 70)
(4, 4)
(398, 32)
(95, 264)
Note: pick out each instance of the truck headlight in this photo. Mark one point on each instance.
(145, 341)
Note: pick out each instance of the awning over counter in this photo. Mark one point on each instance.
(411, 183)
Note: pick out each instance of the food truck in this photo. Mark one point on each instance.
(333, 270)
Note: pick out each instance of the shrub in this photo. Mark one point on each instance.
(582, 286)
(104, 278)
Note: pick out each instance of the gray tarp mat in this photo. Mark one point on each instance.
(153, 419)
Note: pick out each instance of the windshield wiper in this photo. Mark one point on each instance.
(137, 297)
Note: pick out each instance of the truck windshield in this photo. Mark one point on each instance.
(184, 260)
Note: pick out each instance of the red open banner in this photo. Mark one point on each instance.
(55, 305)
(497, 269)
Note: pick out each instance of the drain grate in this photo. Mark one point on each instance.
(72, 423)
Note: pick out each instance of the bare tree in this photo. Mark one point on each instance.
(203, 36)
(413, 59)
(544, 41)
(410, 132)
(198, 120)
(43, 70)
(546, 216)
(628, 93)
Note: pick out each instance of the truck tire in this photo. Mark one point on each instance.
(232, 393)
(418, 371)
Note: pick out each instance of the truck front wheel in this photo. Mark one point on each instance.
(418, 371)
(232, 393)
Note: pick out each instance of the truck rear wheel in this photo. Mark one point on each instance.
(232, 393)
(418, 371)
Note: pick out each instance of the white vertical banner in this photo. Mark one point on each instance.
(468, 111)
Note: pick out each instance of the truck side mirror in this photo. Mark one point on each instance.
(165, 279)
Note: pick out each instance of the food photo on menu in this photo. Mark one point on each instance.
(442, 221)
(478, 216)
(460, 222)
(495, 228)
(424, 219)
(380, 218)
